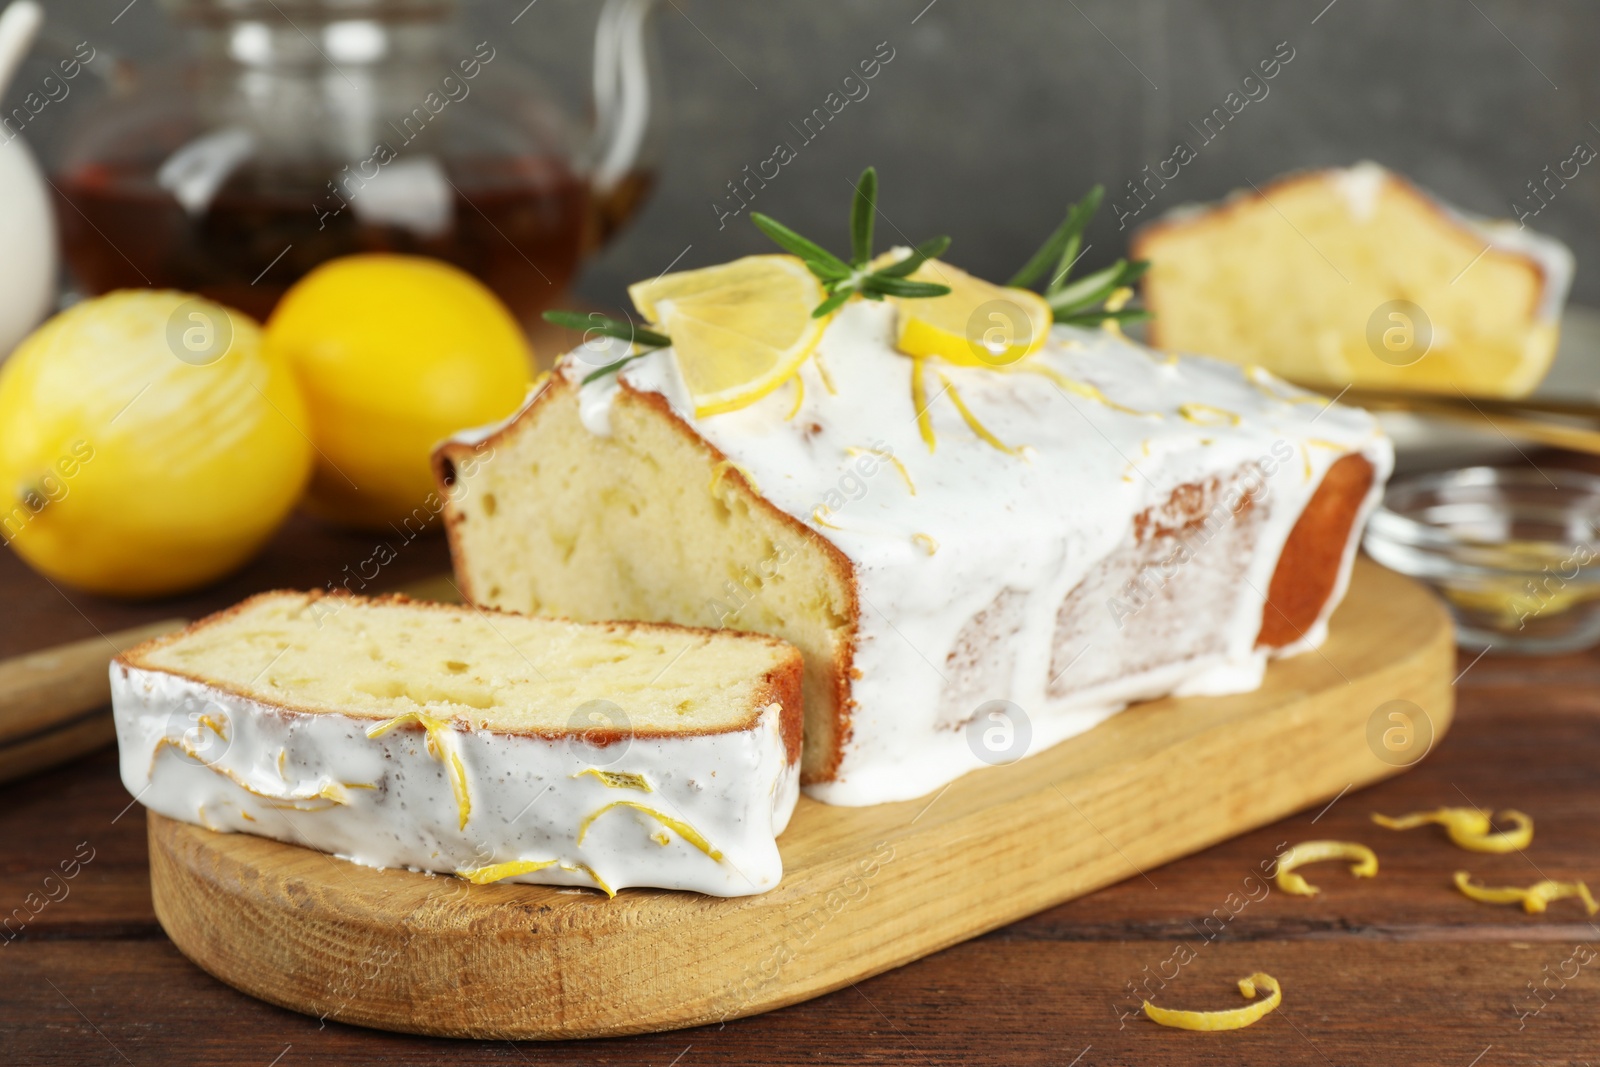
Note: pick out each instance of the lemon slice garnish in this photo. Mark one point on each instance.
(1469, 828)
(975, 324)
(739, 329)
(1229, 1019)
(1533, 899)
(1365, 863)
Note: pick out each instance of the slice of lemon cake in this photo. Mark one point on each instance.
(976, 560)
(397, 733)
(1355, 276)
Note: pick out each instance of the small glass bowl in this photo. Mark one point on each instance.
(1515, 552)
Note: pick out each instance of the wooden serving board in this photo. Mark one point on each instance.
(864, 889)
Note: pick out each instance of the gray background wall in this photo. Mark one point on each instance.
(992, 116)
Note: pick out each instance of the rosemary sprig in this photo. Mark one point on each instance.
(1077, 303)
(842, 280)
(596, 323)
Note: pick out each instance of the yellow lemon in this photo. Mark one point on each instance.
(394, 353)
(739, 329)
(147, 444)
(975, 324)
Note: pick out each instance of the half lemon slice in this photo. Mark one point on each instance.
(739, 329)
(976, 324)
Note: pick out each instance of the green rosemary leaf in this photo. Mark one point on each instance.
(612, 368)
(793, 242)
(826, 272)
(927, 250)
(1087, 290)
(594, 322)
(1061, 247)
(832, 303)
(1095, 318)
(862, 209)
(877, 283)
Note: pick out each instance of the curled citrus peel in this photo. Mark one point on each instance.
(1228, 1019)
(972, 421)
(1072, 385)
(905, 475)
(683, 829)
(720, 471)
(599, 882)
(441, 745)
(1208, 415)
(510, 869)
(323, 798)
(799, 396)
(1534, 899)
(1365, 863)
(618, 779)
(919, 401)
(1469, 828)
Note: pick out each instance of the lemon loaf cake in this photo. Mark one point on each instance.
(975, 561)
(397, 733)
(1355, 276)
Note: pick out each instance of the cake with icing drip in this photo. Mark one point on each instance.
(1096, 524)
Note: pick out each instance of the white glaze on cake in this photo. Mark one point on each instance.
(319, 780)
(1035, 526)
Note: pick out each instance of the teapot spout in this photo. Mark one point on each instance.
(623, 105)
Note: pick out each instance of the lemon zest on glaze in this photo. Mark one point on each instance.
(1228, 1018)
(683, 829)
(662, 838)
(1072, 385)
(817, 513)
(1253, 374)
(794, 410)
(1365, 863)
(599, 882)
(720, 471)
(332, 793)
(1207, 415)
(218, 728)
(1534, 899)
(905, 475)
(618, 779)
(437, 732)
(1116, 302)
(972, 421)
(919, 402)
(927, 541)
(822, 372)
(510, 869)
(1468, 828)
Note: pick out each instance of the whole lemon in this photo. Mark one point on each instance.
(147, 444)
(393, 354)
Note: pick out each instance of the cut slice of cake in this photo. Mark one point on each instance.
(397, 733)
(1045, 541)
(1355, 276)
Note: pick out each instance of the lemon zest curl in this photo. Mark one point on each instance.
(1227, 1019)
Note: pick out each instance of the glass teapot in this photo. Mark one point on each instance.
(309, 129)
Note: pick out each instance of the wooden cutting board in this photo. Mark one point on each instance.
(864, 889)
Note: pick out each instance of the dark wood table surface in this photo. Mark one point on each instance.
(1400, 969)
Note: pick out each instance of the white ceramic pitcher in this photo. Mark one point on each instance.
(27, 227)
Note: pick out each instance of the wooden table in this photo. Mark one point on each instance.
(1396, 970)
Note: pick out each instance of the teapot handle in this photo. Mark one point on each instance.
(622, 101)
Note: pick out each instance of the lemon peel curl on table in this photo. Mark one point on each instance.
(1534, 899)
(1227, 1019)
(1469, 828)
(1365, 863)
